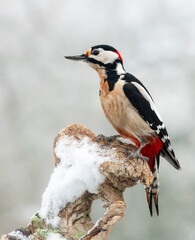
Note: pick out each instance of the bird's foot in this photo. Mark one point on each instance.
(138, 155)
(109, 139)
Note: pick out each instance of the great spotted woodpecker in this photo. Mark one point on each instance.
(130, 109)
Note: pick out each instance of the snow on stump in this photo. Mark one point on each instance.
(87, 167)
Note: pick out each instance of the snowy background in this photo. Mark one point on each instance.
(41, 93)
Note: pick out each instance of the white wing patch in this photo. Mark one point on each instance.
(165, 138)
(159, 127)
(148, 98)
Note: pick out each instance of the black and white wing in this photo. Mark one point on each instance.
(142, 101)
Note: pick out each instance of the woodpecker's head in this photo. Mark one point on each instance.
(101, 57)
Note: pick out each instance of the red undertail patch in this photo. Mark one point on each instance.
(152, 149)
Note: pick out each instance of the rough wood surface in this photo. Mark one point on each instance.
(75, 222)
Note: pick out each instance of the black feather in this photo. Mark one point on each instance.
(143, 107)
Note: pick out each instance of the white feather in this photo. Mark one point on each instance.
(148, 98)
(105, 56)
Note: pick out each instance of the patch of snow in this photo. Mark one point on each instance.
(55, 236)
(76, 173)
(19, 235)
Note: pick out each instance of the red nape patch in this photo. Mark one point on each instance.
(119, 56)
(150, 150)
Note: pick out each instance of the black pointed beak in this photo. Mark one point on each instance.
(77, 57)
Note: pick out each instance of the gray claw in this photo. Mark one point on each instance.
(111, 138)
(137, 155)
(100, 137)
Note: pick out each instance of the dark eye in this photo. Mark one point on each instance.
(95, 52)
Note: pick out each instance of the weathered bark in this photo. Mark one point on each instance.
(75, 222)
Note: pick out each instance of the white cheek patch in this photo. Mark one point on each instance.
(105, 56)
(108, 57)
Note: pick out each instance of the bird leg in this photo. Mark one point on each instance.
(137, 154)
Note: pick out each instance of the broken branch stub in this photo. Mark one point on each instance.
(87, 167)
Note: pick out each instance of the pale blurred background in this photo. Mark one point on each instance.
(41, 93)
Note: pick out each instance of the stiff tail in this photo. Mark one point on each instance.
(168, 153)
(152, 191)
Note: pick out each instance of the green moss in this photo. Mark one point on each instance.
(56, 231)
(37, 222)
(53, 230)
(86, 215)
(78, 235)
(43, 233)
(39, 235)
(23, 228)
(41, 229)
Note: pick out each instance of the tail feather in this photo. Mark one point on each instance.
(156, 204)
(169, 155)
(152, 192)
(149, 198)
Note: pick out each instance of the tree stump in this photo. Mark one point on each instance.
(68, 216)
